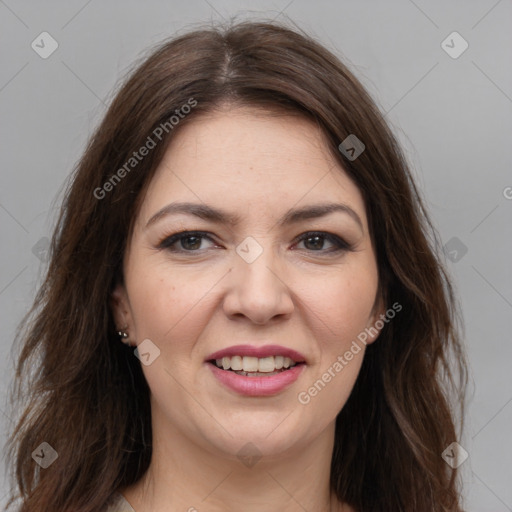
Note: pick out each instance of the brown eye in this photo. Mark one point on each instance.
(189, 241)
(315, 242)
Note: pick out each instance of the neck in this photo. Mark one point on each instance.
(185, 476)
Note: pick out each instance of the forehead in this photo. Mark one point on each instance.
(249, 136)
(247, 157)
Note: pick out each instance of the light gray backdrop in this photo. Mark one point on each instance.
(450, 106)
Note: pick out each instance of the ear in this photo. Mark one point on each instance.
(120, 307)
(376, 320)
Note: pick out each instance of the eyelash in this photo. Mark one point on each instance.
(341, 245)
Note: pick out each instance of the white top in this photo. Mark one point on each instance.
(120, 504)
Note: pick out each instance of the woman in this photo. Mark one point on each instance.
(244, 307)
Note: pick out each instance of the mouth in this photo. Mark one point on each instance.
(256, 371)
(248, 366)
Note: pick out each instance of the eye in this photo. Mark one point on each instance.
(315, 241)
(190, 241)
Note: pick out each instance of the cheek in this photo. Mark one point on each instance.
(167, 304)
(344, 305)
(342, 309)
(343, 302)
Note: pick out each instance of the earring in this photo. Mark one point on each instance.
(124, 336)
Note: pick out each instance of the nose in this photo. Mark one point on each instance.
(258, 290)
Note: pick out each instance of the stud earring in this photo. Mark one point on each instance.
(124, 336)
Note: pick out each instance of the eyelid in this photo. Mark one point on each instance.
(169, 240)
(340, 244)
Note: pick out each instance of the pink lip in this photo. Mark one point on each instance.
(257, 386)
(253, 351)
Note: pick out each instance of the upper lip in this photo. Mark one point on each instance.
(258, 351)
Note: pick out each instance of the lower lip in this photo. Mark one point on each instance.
(257, 386)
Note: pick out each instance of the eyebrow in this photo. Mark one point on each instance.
(293, 216)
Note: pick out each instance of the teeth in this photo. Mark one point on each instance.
(254, 364)
(266, 364)
(250, 364)
(236, 363)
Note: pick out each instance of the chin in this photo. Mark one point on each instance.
(250, 441)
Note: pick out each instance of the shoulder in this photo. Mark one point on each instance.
(119, 503)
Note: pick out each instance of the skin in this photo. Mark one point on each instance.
(296, 293)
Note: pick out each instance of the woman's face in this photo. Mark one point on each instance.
(257, 183)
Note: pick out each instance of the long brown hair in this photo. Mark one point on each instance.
(87, 396)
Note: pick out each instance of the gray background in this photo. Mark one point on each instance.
(452, 115)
